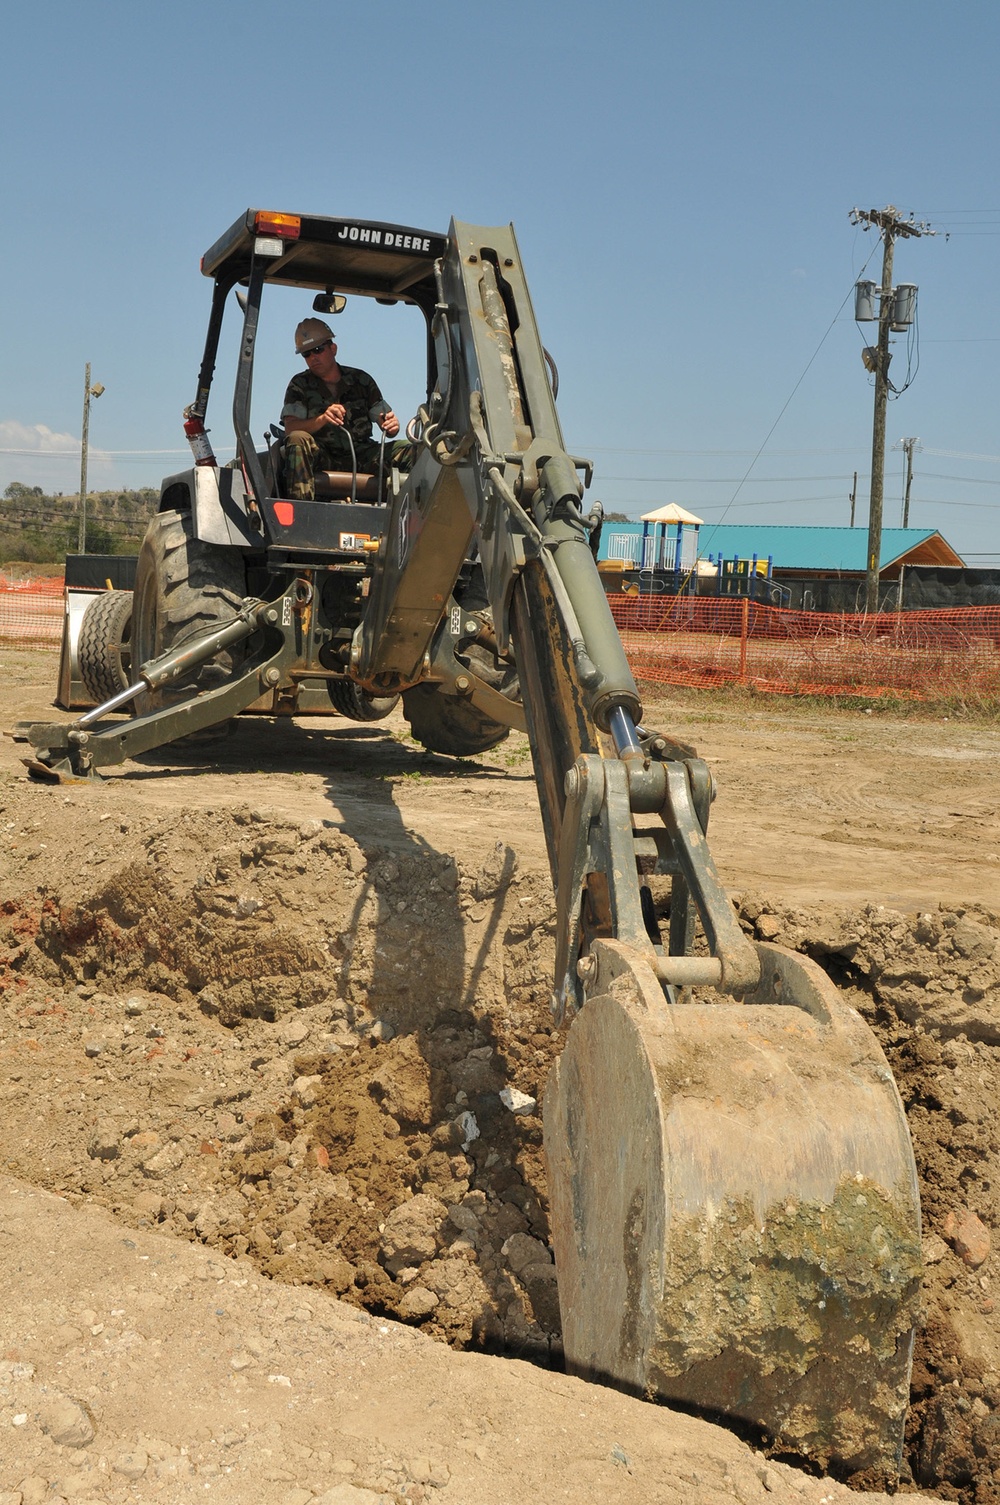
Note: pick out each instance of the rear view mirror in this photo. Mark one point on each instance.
(329, 302)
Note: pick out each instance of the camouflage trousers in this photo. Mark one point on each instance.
(304, 457)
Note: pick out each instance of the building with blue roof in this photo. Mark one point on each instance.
(791, 550)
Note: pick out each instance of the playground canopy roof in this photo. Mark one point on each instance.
(671, 514)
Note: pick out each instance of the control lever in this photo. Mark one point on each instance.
(376, 413)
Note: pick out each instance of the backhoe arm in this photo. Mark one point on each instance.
(493, 469)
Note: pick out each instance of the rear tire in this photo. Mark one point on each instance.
(451, 724)
(104, 651)
(182, 587)
(448, 724)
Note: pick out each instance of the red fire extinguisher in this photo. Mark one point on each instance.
(197, 437)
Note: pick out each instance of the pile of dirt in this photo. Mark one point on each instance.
(349, 1093)
(253, 1033)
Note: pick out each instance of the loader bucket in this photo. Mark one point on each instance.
(735, 1213)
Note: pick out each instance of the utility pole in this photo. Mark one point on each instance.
(878, 428)
(88, 392)
(909, 445)
(877, 360)
(854, 496)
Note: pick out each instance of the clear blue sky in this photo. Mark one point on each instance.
(679, 176)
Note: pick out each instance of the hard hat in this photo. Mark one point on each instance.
(310, 333)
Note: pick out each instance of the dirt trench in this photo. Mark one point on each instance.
(347, 1088)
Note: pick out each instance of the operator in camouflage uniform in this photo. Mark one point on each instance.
(322, 405)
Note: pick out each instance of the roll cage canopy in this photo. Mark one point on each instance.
(391, 263)
(365, 257)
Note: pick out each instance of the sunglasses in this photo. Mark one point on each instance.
(317, 349)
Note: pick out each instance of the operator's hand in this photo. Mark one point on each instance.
(335, 413)
(389, 424)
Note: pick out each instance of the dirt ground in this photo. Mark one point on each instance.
(274, 1033)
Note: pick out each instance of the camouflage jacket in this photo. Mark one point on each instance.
(308, 395)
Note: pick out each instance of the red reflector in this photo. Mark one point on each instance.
(285, 513)
(287, 225)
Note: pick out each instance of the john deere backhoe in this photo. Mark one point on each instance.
(734, 1202)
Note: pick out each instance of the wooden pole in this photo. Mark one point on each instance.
(909, 445)
(82, 537)
(878, 428)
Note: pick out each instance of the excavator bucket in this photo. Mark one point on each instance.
(734, 1207)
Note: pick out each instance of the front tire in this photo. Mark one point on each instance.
(182, 587)
(104, 652)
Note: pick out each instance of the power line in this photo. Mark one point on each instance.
(101, 454)
(802, 501)
(965, 480)
(599, 449)
(954, 454)
(936, 501)
(724, 480)
(785, 501)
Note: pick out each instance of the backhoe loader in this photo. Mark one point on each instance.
(734, 1205)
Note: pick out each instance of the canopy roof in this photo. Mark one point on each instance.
(353, 256)
(671, 513)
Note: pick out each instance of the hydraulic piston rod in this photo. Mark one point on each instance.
(623, 734)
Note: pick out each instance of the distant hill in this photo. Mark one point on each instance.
(37, 527)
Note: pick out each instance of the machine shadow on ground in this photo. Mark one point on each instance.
(434, 969)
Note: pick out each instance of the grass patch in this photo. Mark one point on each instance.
(722, 702)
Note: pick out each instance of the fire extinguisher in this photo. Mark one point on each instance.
(197, 437)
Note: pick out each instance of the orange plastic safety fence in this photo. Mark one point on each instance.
(704, 641)
(31, 612)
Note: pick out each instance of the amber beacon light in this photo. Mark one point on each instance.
(288, 226)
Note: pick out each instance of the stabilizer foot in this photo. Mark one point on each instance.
(59, 773)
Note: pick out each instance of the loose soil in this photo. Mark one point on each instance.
(275, 1018)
